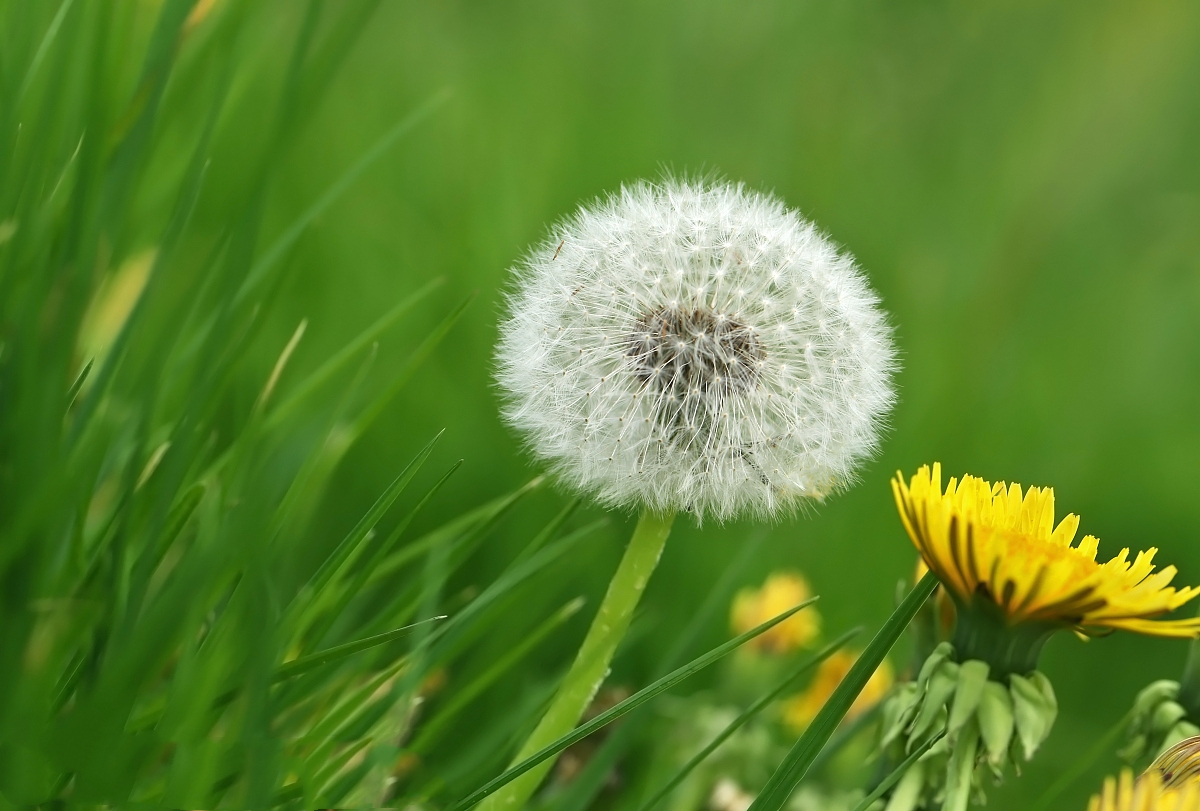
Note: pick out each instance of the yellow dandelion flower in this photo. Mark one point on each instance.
(781, 591)
(1147, 793)
(1179, 765)
(799, 710)
(995, 546)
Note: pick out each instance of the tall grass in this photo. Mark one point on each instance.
(163, 637)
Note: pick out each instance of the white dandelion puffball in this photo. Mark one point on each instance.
(695, 346)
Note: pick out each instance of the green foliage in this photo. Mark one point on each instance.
(173, 631)
(237, 244)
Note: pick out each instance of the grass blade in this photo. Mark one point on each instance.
(307, 663)
(272, 255)
(343, 356)
(779, 787)
(633, 702)
(751, 711)
(467, 694)
(310, 596)
(894, 778)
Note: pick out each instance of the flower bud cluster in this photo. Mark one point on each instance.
(976, 721)
(1158, 722)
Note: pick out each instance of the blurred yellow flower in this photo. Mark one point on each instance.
(1000, 544)
(781, 591)
(799, 710)
(1147, 793)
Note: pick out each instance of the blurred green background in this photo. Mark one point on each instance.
(1020, 180)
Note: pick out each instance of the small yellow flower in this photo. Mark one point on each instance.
(998, 544)
(783, 590)
(1147, 793)
(799, 710)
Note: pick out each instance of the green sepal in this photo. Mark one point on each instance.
(996, 722)
(960, 769)
(943, 652)
(1034, 715)
(1165, 716)
(972, 676)
(908, 790)
(1152, 695)
(898, 711)
(937, 694)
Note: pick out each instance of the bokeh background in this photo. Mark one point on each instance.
(1020, 180)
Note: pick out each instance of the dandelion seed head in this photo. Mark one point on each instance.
(698, 346)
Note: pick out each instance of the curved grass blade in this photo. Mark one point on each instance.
(435, 725)
(515, 575)
(80, 379)
(751, 711)
(1104, 744)
(348, 593)
(633, 702)
(477, 520)
(313, 591)
(285, 241)
(779, 787)
(894, 778)
(344, 355)
(418, 356)
(307, 663)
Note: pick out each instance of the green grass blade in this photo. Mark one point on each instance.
(313, 591)
(795, 765)
(475, 521)
(894, 778)
(1104, 744)
(307, 663)
(515, 575)
(343, 356)
(43, 47)
(355, 587)
(751, 711)
(418, 356)
(464, 696)
(80, 379)
(633, 702)
(286, 240)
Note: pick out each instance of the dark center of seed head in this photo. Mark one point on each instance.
(686, 354)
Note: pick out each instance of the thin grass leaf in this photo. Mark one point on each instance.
(333, 365)
(469, 692)
(80, 379)
(329, 655)
(894, 777)
(313, 591)
(1105, 744)
(631, 703)
(418, 356)
(749, 713)
(43, 47)
(335, 190)
(797, 762)
(513, 576)
(474, 522)
(347, 593)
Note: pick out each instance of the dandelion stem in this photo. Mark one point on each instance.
(591, 663)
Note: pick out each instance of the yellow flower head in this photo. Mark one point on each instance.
(1179, 765)
(1147, 793)
(783, 590)
(999, 544)
(799, 710)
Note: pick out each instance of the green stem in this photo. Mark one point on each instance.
(591, 663)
